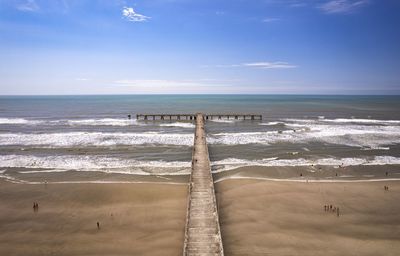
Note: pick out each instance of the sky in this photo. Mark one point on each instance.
(199, 47)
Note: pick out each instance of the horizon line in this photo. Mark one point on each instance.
(203, 94)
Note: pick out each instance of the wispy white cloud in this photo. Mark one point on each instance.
(269, 20)
(261, 65)
(297, 4)
(130, 14)
(155, 83)
(269, 65)
(342, 6)
(82, 79)
(326, 6)
(155, 86)
(28, 6)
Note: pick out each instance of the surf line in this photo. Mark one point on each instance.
(303, 180)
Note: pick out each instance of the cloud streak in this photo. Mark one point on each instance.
(342, 6)
(155, 83)
(269, 20)
(28, 6)
(130, 14)
(156, 86)
(269, 65)
(260, 65)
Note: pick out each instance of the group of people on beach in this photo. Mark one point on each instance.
(35, 207)
(386, 188)
(331, 208)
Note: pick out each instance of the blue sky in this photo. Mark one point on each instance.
(202, 46)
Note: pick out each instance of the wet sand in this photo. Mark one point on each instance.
(288, 218)
(316, 172)
(135, 219)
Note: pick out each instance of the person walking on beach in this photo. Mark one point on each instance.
(98, 225)
(337, 212)
(35, 207)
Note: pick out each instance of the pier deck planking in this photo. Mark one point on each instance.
(202, 232)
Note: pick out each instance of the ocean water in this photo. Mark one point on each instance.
(65, 138)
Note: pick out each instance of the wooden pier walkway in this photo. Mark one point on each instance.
(202, 232)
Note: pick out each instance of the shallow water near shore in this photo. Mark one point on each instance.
(90, 138)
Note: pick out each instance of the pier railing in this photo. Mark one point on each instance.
(188, 117)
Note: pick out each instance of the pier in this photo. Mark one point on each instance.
(183, 117)
(202, 228)
(165, 117)
(202, 231)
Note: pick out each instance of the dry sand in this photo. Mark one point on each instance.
(288, 218)
(135, 219)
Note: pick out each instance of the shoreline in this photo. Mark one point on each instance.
(321, 174)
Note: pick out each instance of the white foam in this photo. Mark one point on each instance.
(180, 124)
(20, 181)
(103, 122)
(345, 120)
(44, 171)
(302, 180)
(377, 148)
(95, 139)
(272, 123)
(364, 121)
(74, 122)
(18, 121)
(94, 163)
(233, 163)
(370, 136)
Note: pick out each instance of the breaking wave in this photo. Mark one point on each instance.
(233, 163)
(99, 122)
(73, 122)
(182, 125)
(19, 121)
(369, 136)
(94, 163)
(345, 120)
(95, 139)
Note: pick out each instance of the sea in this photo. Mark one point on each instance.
(91, 139)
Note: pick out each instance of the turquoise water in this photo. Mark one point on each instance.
(90, 137)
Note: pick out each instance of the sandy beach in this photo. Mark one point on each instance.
(288, 218)
(135, 219)
(257, 218)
